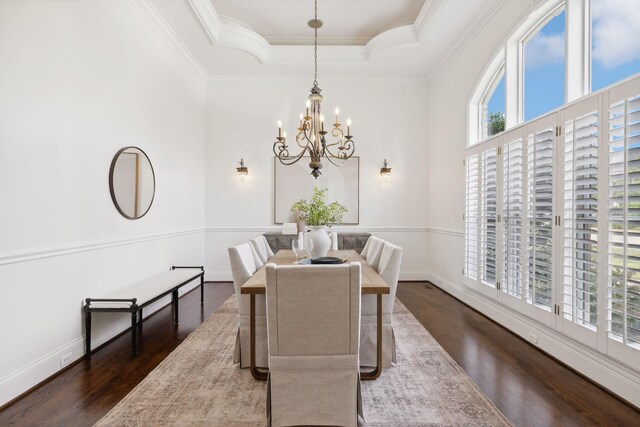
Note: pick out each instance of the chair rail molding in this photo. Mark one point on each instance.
(12, 257)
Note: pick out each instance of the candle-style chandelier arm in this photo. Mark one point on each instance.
(345, 150)
(280, 149)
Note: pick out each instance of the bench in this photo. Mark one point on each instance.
(134, 298)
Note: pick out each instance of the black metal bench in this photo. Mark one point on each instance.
(145, 292)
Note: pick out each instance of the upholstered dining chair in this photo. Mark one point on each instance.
(262, 247)
(244, 263)
(313, 318)
(374, 251)
(389, 269)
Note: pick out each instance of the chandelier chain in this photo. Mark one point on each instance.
(315, 47)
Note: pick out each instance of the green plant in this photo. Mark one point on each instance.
(317, 212)
(496, 123)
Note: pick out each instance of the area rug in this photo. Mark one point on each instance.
(198, 384)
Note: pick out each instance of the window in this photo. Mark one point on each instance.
(544, 64)
(512, 209)
(615, 48)
(580, 221)
(624, 222)
(540, 217)
(493, 110)
(471, 217)
(489, 216)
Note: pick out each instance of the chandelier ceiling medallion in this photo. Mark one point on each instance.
(311, 132)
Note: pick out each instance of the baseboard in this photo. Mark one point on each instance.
(611, 375)
(33, 374)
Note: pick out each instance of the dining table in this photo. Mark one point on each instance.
(372, 284)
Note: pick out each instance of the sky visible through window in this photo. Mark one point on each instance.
(544, 63)
(616, 41)
(496, 103)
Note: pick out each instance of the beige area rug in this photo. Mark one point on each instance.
(198, 384)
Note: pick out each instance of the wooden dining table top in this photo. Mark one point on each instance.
(372, 283)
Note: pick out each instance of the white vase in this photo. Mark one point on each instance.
(321, 240)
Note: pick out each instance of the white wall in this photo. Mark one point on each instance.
(79, 81)
(388, 122)
(449, 94)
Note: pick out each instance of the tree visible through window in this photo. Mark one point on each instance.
(494, 111)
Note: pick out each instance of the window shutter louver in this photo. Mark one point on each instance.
(580, 221)
(539, 217)
(624, 222)
(512, 210)
(471, 217)
(488, 216)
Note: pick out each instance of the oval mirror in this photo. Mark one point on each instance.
(132, 182)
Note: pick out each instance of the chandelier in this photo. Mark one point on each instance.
(311, 136)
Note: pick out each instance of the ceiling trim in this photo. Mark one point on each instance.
(226, 31)
(467, 37)
(157, 21)
(252, 80)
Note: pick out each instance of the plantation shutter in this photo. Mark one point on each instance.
(471, 217)
(540, 217)
(488, 215)
(623, 305)
(512, 211)
(580, 221)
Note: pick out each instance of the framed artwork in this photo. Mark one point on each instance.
(295, 182)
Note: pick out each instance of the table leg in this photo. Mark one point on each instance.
(378, 369)
(252, 339)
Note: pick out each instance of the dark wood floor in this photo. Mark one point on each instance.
(530, 388)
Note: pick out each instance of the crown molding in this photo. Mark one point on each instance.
(467, 37)
(300, 55)
(230, 32)
(235, 80)
(393, 38)
(157, 21)
(208, 18)
(428, 13)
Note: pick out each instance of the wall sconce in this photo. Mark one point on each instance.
(243, 171)
(385, 172)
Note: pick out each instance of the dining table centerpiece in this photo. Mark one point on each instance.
(318, 216)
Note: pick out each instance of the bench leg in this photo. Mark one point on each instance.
(201, 289)
(87, 327)
(175, 306)
(134, 330)
(140, 316)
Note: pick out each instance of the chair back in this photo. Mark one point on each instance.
(260, 245)
(313, 310)
(389, 269)
(244, 262)
(374, 251)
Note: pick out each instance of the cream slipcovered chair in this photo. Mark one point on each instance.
(372, 250)
(244, 263)
(262, 247)
(313, 317)
(389, 269)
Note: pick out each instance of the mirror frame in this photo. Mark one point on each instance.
(113, 195)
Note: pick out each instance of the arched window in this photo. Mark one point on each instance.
(562, 51)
